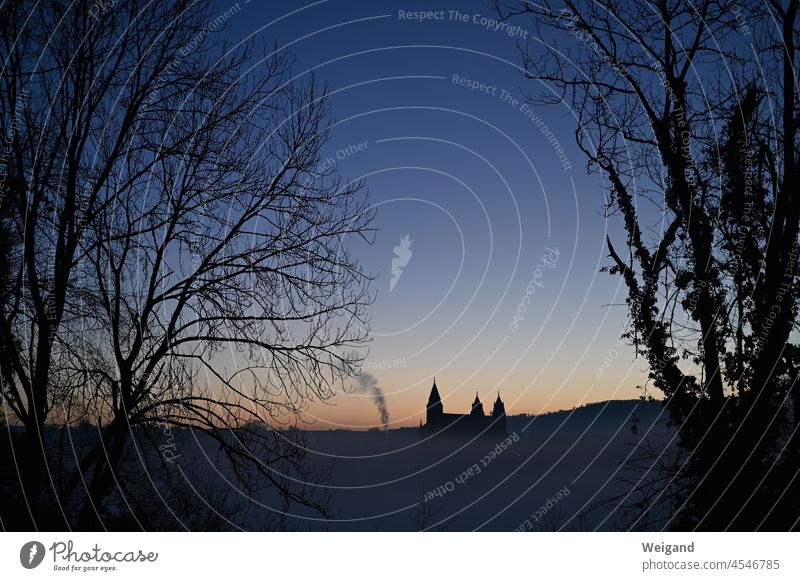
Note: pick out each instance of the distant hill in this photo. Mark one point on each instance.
(605, 417)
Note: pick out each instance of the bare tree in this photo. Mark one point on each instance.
(183, 254)
(425, 514)
(696, 141)
(73, 86)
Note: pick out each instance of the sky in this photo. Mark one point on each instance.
(498, 284)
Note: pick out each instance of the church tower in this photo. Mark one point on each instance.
(499, 408)
(499, 415)
(477, 407)
(435, 410)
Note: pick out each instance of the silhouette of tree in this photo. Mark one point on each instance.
(179, 252)
(696, 141)
(425, 514)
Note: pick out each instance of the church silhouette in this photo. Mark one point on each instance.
(474, 424)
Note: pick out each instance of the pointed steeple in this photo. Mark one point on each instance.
(499, 408)
(434, 397)
(477, 406)
(434, 407)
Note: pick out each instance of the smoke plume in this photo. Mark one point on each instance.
(368, 383)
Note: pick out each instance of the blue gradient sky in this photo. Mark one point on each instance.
(479, 189)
